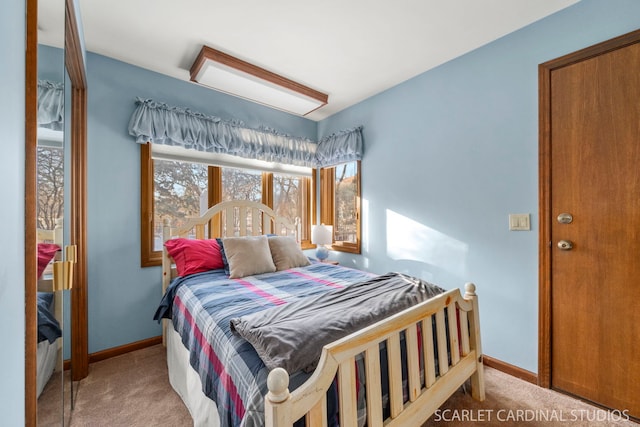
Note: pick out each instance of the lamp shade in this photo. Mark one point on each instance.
(321, 234)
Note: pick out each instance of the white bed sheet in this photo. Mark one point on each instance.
(186, 382)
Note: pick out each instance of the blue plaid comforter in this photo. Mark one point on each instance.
(201, 307)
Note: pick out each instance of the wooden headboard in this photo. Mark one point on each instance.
(236, 218)
(51, 236)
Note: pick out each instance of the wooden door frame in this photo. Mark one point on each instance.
(74, 61)
(30, 222)
(544, 185)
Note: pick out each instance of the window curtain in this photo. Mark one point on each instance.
(162, 124)
(50, 105)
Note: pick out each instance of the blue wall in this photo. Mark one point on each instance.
(450, 153)
(122, 296)
(12, 213)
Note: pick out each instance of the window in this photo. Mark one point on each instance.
(292, 199)
(179, 192)
(340, 203)
(241, 184)
(238, 184)
(50, 186)
(177, 189)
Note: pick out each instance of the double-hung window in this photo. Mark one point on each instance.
(181, 187)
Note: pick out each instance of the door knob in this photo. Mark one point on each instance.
(565, 245)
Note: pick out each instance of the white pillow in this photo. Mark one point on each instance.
(248, 256)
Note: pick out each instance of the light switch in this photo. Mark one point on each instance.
(519, 222)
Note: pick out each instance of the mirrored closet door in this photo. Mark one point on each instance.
(55, 140)
(52, 348)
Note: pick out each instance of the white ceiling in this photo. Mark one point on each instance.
(349, 49)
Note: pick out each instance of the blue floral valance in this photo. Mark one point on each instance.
(159, 123)
(50, 105)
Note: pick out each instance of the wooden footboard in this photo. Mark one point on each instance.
(434, 372)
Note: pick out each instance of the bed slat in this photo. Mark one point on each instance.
(347, 393)
(453, 333)
(255, 222)
(441, 335)
(429, 359)
(373, 387)
(464, 331)
(395, 374)
(317, 416)
(242, 219)
(266, 225)
(413, 363)
(229, 220)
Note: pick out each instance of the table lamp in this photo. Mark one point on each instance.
(322, 235)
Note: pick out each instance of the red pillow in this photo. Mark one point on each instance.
(194, 256)
(46, 252)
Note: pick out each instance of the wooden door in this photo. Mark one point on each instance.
(590, 170)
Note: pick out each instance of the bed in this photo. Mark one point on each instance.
(48, 347)
(395, 369)
(48, 344)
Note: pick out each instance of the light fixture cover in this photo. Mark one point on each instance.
(234, 76)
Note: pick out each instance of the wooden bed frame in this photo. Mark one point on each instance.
(459, 351)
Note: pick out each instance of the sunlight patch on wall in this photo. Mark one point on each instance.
(364, 233)
(409, 240)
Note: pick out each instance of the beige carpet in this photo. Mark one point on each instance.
(133, 390)
(511, 402)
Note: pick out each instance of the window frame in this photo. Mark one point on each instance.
(327, 207)
(150, 257)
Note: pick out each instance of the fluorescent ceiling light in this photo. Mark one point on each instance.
(234, 76)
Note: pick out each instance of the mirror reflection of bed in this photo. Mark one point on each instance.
(49, 353)
(53, 385)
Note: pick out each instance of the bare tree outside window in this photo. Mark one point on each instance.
(178, 187)
(50, 182)
(241, 184)
(290, 198)
(346, 203)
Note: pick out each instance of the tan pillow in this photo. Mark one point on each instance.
(286, 253)
(247, 256)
